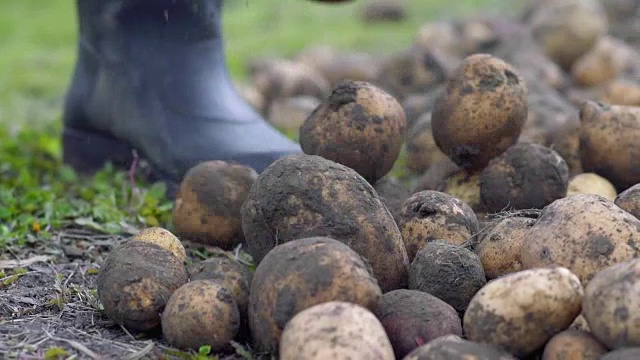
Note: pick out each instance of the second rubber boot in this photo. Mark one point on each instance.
(151, 76)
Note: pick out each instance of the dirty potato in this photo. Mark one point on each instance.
(520, 312)
(335, 330)
(584, 233)
(450, 347)
(207, 207)
(135, 282)
(481, 113)
(306, 195)
(163, 238)
(573, 344)
(590, 183)
(629, 200)
(301, 273)
(359, 125)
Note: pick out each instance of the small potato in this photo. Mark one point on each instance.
(163, 238)
(590, 183)
(451, 347)
(207, 207)
(135, 282)
(430, 215)
(338, 64)
(481, 113)
(573, 344)
(603, 63)
(299, 274)
(412, 318)
(422, 150)
(520, 312)
(621, 92)
(609, 143)
(629, 200)
(359, 125)
(335, 330)
(499, 249)
(612, 305)
(526, 176)
(449, 272)
(584, 233)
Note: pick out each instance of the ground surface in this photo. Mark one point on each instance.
(56, 228)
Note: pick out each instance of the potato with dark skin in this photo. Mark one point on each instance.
(629, 200)
(135, 282)
(359, 125)
(412, 318)
(450, 347)
(573, 344)
(481, 113)
(430, 215)
(584, 233)
(303, 195)
(207, 207)
(609, 143)
(449, 272)
(526, 176)
(301, 273)
(611, 303)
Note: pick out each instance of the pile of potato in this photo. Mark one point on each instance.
(515, 236)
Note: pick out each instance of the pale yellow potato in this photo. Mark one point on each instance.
(591, 183)
(164, 238)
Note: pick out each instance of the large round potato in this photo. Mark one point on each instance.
(481, 113)
(335, 330)
(612, 305)
(629, 200)
(520, 312)
(500, 247)
(584, 233)
(307, 195)
(302, 273)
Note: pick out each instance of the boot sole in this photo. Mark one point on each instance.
(88, 151)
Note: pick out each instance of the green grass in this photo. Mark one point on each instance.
(37, 54)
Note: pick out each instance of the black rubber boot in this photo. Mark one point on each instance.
(151, 75)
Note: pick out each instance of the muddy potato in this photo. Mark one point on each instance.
(163, 238)
(568, 29)
(449, 272)
(584, 233)
(422, 150)
(306, 195)
(499, 249)
(412, 318)
(359, 125)
(573, 344)
(207, 207)
(520, 312)
(590, 183)
(302, 273)
(604, 62)
(201, 312)
(481, 113)
(431, 215)
(526, 176)
(450, 347)
(135, 282)
(629, 200)
(611, 305)
(335, 330)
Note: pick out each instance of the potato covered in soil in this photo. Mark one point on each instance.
(590, 183)
(306, 195)
(422, 150)
(430, 215)
(573, 344)
(604, 62)
(526, 176)
(201, 312)
(609, 143)
(482, 111)
(568, 29)
(335, 330)
(584, 233)
(302, 273)
(412, 318)
(163, 238)
(520, 312)
(359, 125)
(612, 305)
(449, 272)
(135, 282)
(499, 249)
(450, 347)
(207, 207)
(629, 200)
